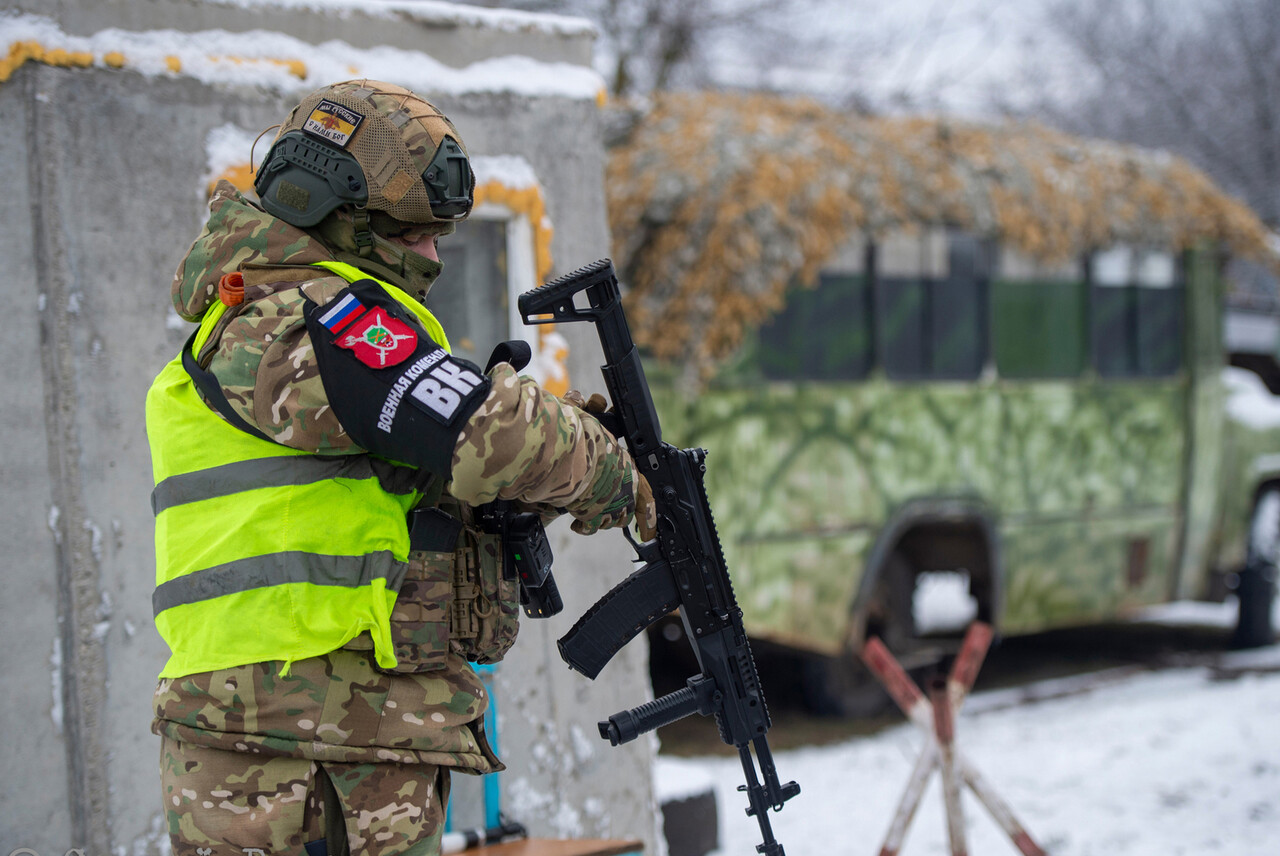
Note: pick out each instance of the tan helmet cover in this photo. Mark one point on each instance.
(394, 140)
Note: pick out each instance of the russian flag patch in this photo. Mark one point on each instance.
(343, 313)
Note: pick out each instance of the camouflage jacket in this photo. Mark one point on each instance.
(521, 444)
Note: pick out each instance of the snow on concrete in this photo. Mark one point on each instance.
(432, 12)
(55, 678)
(229, 146)
(282, 63)
(510, 171)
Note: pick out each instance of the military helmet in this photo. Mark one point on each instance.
(373, 145)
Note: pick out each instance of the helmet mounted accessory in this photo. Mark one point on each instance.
(450, 182)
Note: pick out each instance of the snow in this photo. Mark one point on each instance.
(510, 171)
(229, 146)
(154, 840)
(273, 61)
(55, 516)
(431, 12)
(1192, 613)
(676, 779)
(55, 678)
(95, 547)
(942, 602)
(1167, 763)
(1173, 762)
(1249, 401)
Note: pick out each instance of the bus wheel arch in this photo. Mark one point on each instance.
(925, 535)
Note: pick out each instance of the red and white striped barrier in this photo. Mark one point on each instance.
(936, 716)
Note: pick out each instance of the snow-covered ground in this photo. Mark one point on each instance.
(1172, 762)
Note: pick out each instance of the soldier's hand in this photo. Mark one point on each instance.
(646, 511)
(593, 405)
(547, 513)
(618, 507)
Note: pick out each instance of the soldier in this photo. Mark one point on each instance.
(317, 451)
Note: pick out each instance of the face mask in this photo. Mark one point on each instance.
(420, 273)
(388, 261)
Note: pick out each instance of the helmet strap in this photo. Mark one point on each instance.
(363, 231)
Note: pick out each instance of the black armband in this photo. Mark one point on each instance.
(395, 391)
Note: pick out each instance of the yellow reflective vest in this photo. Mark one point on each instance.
(264, 552)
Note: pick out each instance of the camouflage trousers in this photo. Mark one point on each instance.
(220, 803)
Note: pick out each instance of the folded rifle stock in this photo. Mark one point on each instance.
(683, 566)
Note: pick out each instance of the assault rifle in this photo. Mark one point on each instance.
(683, 566)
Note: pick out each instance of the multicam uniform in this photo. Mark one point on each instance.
(386, 738)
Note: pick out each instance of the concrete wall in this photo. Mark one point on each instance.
(102, 176)
(454, 35)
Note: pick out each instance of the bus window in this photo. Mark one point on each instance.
(1137, 312)
(823, 332)
(931, 298)
(1115, 314)
(1160, 308)
(959, 335)
(1039, 318)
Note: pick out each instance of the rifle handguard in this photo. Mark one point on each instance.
(698, 697)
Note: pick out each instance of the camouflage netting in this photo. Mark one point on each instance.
(718, 202)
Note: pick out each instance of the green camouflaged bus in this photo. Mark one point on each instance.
(939, 408)
(946, 405)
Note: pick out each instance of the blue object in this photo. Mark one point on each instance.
(492, 786)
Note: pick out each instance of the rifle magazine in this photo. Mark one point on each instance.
(616, 619)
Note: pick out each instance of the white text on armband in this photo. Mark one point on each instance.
(402, 384)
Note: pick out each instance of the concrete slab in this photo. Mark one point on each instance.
(32, 706)
(105, 185)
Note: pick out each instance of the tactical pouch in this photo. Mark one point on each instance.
(420, 617)
(484, 616)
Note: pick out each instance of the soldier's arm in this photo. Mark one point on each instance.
(267, 366)
(523, 443)
(508, 438)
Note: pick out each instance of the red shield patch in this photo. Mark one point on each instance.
(378, 340)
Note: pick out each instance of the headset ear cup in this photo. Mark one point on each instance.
(304, 179)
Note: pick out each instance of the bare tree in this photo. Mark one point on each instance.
(649, 45)
(1201, 80)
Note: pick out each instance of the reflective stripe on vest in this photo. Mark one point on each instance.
(250, 475)
(264, 552)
